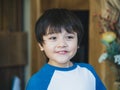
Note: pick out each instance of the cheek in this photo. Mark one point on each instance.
(47, 51)
(73, 48)
(48, 48)
(74, 44)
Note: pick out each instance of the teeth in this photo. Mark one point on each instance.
(62, 52)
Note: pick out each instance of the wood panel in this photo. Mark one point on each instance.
(38, 58)
(11, 15)
(1, 15)
(69, 4)
(13, 49)
(12, 45)
(96, 48)
(13, 58)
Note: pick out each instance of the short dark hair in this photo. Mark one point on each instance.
(56, 19)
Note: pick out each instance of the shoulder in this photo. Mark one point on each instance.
(86, 65)
(89, 67)
(99, 84)
(40, 80)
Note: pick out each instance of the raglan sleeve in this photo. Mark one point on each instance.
(99, 83)
(41, 79)
(32, 85)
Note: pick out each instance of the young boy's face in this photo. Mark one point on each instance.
(60, 47)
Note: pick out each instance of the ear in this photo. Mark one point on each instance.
(41, 47)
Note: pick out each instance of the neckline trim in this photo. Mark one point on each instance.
(62, 68)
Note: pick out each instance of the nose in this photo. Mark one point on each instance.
(62, 43)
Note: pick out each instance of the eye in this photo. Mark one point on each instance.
(53, 38)
(70, 37)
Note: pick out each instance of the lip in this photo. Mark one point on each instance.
(63, 52)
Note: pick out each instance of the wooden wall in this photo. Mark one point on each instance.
(13, 44)
(69, 4)
(96, 48)
(11, 15)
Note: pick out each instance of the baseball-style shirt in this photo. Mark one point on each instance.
(80, 76)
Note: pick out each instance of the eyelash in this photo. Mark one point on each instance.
(70, 37)
(53, 38)
(67, 38)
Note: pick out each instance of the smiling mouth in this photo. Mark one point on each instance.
(62, 52)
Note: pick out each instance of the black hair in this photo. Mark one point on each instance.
(55, 20)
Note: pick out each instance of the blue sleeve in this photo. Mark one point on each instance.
(99, 84)
(40, 80)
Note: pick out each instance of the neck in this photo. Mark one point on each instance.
(67, 65)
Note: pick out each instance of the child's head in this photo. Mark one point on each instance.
(59, 34)
(54, 20)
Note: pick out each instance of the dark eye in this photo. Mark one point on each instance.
(53, 38)
(70, 37)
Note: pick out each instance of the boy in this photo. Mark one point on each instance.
(59, 33)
